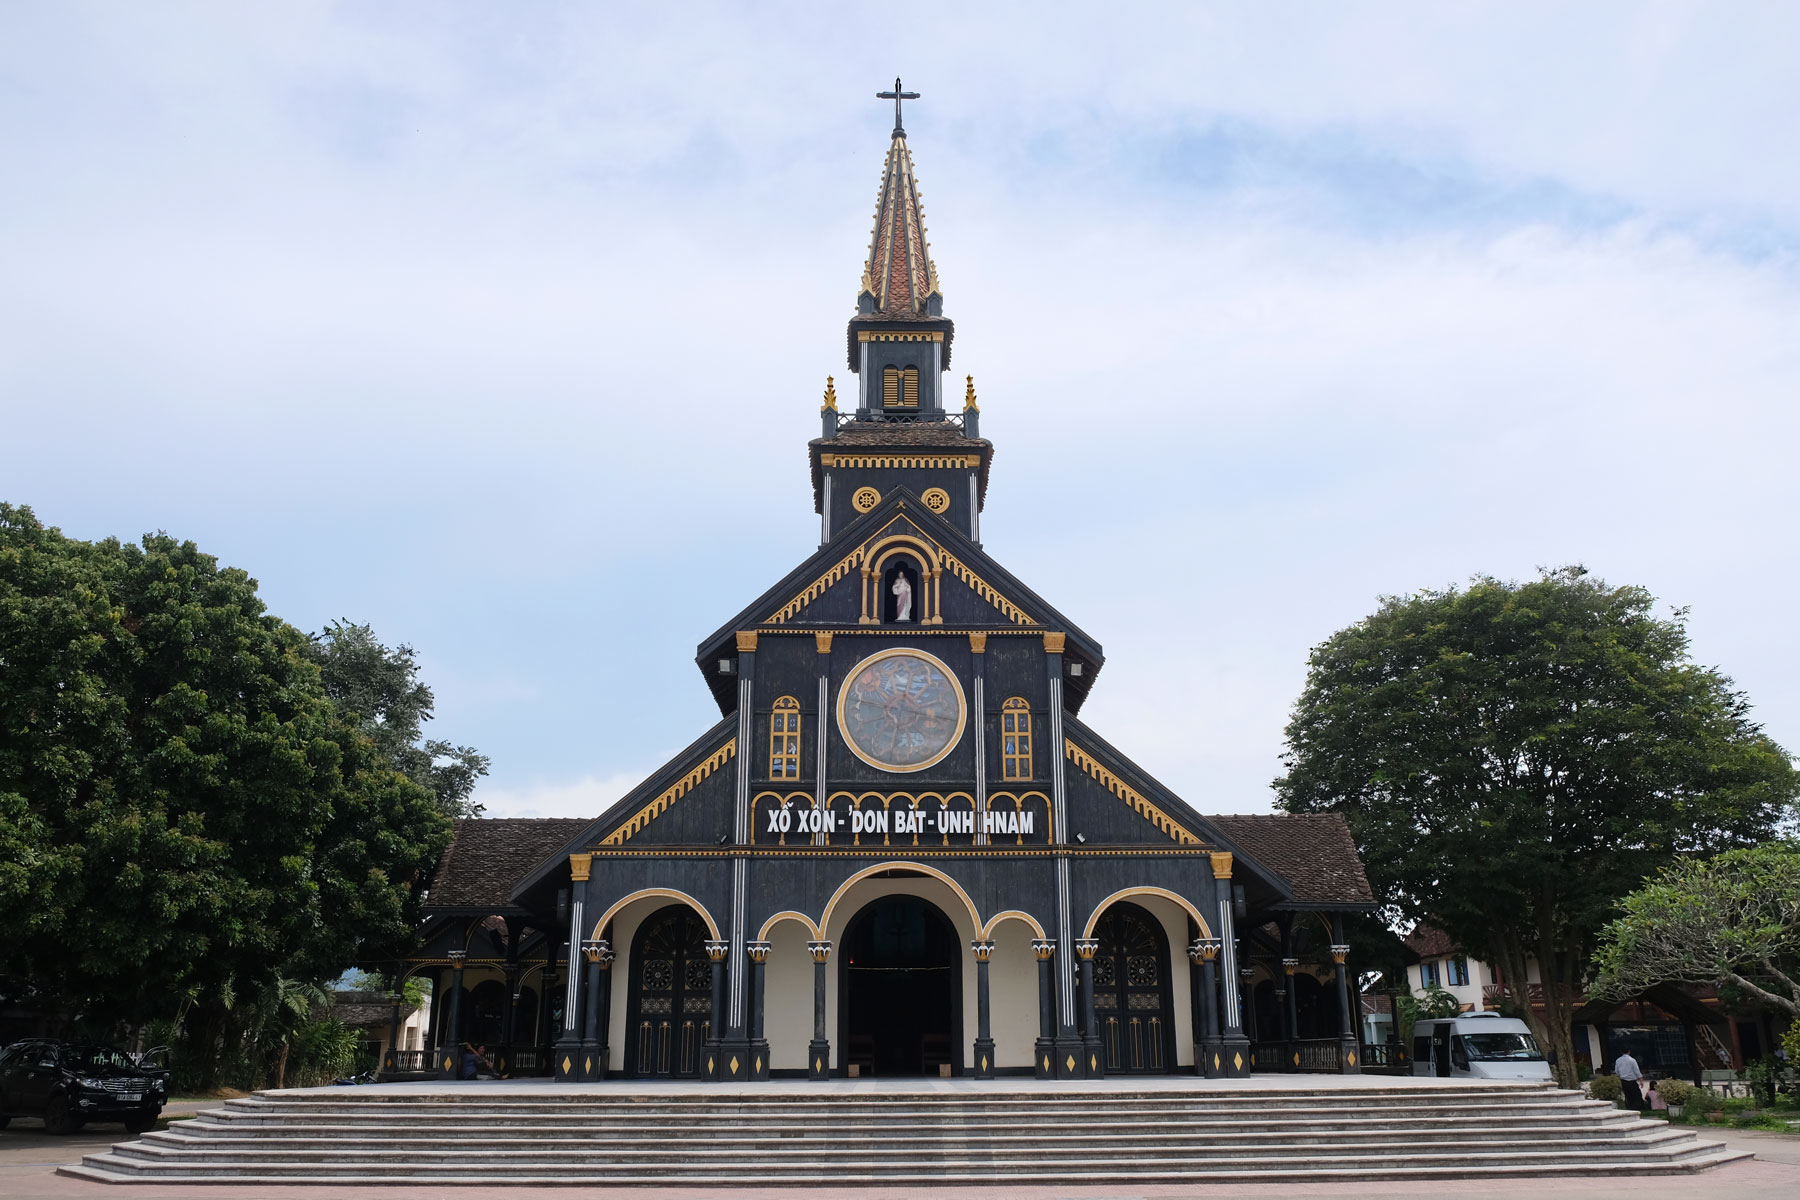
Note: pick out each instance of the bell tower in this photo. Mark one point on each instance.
(899, 433)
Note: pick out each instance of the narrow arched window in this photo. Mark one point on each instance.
(784, 739)
(1015, 738)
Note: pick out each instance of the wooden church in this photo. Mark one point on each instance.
(900, 851)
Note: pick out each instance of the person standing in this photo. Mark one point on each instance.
(1630, 1074)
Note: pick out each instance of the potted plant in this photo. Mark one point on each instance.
(1676, 1093)
(1607, 1087)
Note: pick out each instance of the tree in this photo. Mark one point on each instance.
(379, 689)
(1729, 921)
(188, 817)
(1514, 758)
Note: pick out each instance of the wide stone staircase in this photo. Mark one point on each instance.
(470, 1135)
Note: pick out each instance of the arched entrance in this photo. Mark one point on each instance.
(900, 989)
(1131, 992)
(670, 996)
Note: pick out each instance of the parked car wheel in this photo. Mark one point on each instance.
(58, 1120)
(142, 1123)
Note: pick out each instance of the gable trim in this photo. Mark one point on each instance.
(675, 791)
(816, 588)
(986, 591)
(1128, 794)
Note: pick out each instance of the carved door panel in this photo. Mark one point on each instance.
(1131, 992)
(671, 997)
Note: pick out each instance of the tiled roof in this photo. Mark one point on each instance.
(1312, 851)
(364, 1009)
(899, 272)
(933, 434)
(1429, 942)
(489, 855)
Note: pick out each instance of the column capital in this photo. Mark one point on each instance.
(598, 951)
(1246, 972)
(1290, 965)
(822, 641)
(981, 950)
(580, 865)
(746, 641)
(458, 958)
(1221, 864)
(758, 951)
(978, 643)
(1053, 642)
(1042, 949)
(718, 950)
(1086, 948)
(820, 951)
(1339, 952)
(1204, 950)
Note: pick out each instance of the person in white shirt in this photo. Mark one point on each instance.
(1629, 1075)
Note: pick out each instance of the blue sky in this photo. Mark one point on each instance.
(424, 315)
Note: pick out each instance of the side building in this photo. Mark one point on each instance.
(900, 850)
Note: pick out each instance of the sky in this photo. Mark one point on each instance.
(503, 328)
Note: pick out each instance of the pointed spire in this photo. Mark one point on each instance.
(830, 404)
(899, 276)
(969, 397)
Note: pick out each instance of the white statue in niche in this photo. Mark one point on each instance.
(902, 597)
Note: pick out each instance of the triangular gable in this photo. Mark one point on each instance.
(1158, 813)
(649, 800)
(799, 595)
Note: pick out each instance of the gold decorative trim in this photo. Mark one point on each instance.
(910, 462)
(969, 404)
(1125, 792)
(817, 587)
(578, 866)
(746, 641)
(844, 887)
(1053, 642)
(936, 499)
(1183, 902)
(962, 709)
(658, 893)
(830, 404)
(899, 335)
(978, 643)
(1221, 864)
(822, 641)
(986, 591)
(865, 498)
(676, 791)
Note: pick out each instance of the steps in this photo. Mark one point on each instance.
(1281, 1131)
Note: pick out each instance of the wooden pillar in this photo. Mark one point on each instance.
(984, 1036)
(449, 1054)
(1085, 949)
(818, 1051)
(1044, 951)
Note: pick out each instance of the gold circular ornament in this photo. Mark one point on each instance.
(901, 710)
(936, 499)
(865, 499)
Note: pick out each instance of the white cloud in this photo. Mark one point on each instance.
(587, 796)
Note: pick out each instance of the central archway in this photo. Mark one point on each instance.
(900, 989)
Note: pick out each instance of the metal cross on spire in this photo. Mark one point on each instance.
(897, 96)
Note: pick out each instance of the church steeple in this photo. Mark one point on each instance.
(899, 339)
(900, 435)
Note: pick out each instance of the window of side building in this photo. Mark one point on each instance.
(1015, 738)
(784, 739)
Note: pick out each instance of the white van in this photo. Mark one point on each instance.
(1483, 1045)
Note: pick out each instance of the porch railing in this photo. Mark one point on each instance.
(412, 1060)
(1312, 1055)
(1385, 1058)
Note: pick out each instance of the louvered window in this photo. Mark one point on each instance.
(784, 739)
(900, 387)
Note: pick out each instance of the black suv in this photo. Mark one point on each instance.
(71, 1083)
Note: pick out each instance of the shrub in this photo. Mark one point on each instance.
(1606, 1087)
(1675, 1091)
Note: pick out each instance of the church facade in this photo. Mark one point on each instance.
(899, 850)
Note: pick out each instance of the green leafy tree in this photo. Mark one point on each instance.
(188, 816)
(379, 689)
(1409, 1009)
(1514, 758)
(1729, 921)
